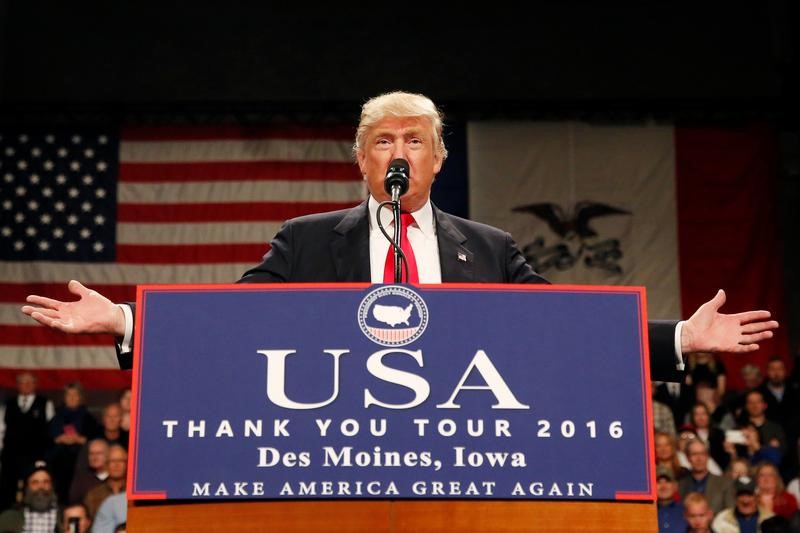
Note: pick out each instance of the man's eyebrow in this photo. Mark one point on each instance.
(405, 133)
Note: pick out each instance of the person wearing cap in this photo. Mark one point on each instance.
(745, 516)
(670, 508)
(39, 512)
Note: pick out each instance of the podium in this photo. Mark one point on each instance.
(350, 407)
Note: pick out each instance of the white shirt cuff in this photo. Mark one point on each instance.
(678, 354)
(125, 343)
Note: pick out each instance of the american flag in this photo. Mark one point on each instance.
(147, 205)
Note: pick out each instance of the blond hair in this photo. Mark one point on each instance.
(400, 104)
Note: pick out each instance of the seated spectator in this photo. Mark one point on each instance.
(89, 472)
(753, 450)
(721, 416)
(751, 376)
(755, 412)
(117, 468)
(71, 427)
(782, 397)
(771, 493)
(39, 509)
(738, 467)
(704, 367)
(685, 436)
(26, 437)
(112, 430)
(75, 519)
(667, 454)
(714, 437)
(745, 515)
(717, 490)
(112, 514)
(698, 513)
(670, 508)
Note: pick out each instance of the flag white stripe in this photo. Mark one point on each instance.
(241, 191)
(40, 357)
(197, 233)
(235, 151)
(125, 274)
(10, 315)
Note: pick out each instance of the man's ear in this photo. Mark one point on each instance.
(360, 159)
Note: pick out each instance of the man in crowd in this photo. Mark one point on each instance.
(347, 246)
(92, 473)
(39, 509)
(75, 519)
(117, 468)
(745, 516)
(26, 435)
(755, 412)
(717, 490)
(698, 513)
(670, 508)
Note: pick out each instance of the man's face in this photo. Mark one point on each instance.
(746, 503)
(39, 495)
(26, 384)
(755, 404)
(665, 488)
(409, 138)
(663, 448)
(98, 455)
(79, 512)
(112, 417)
(698, 457)
(117, 463)
(40, 480)
(698, 516)
(776, 372)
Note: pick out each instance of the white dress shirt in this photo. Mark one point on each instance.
(421, 236)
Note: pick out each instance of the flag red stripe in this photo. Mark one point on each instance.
(42, 336)
(56, 378)
(238, 171)
(16, 292)
(191, 253)
(201, 133)
(220, 212)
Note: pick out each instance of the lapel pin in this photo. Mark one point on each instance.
(462, 256)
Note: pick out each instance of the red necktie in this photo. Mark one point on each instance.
(388, 269)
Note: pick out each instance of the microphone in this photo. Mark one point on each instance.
(396, 181)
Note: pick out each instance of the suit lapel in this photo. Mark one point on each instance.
(350, 246)
(455, 259)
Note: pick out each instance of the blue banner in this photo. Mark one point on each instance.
(391, 391)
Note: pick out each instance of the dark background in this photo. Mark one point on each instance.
(202, 61)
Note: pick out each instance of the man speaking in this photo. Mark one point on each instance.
(349, 246)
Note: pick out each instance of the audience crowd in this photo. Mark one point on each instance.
(59, 466)
(728, 460)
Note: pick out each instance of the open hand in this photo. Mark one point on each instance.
(708, 330)
(91, 313)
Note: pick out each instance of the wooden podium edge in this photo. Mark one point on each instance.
(393, 516)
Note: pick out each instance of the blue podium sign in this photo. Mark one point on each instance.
(391, 391)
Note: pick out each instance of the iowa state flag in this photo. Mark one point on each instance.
(681, 211)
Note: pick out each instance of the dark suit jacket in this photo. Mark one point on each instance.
(333, 247)
(719, 491)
